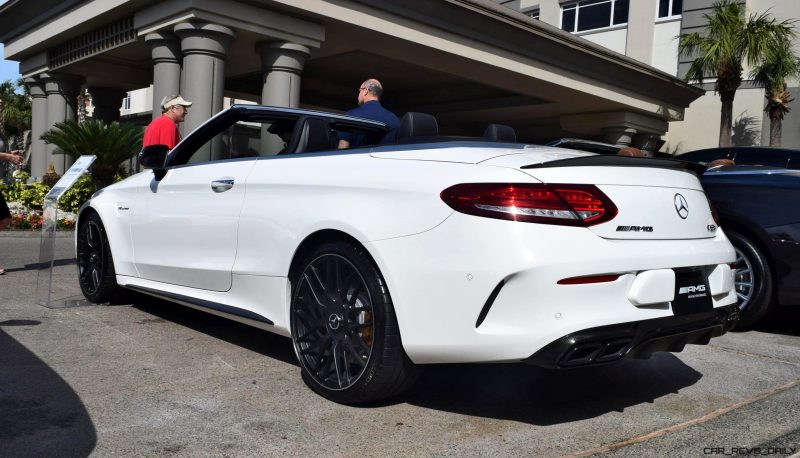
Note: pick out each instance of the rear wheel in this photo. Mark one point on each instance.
(752, 280)
(344, 329)
(96, 274)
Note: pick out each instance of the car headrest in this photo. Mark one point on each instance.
(414, 124)
(500, 133)
(312, 135)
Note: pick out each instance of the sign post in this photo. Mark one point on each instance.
(44, 281)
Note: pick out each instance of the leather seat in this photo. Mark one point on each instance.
(500, 133)
(414, 124)
(312, 134)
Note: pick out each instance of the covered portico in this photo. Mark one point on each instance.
(468, 62)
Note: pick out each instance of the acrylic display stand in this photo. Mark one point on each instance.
(44, 281)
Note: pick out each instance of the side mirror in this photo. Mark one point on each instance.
(154, 157)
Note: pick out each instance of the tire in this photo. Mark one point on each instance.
(753, 280)
(96, 274)
(344, 329)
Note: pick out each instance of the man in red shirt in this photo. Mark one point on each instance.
(164, 129)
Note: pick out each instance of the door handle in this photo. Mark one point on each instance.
(222, 184)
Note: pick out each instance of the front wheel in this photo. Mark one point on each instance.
(96, 274)
(344, 329)
(752, 280)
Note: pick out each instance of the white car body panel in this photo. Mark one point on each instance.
(440, 266)
(184, 232)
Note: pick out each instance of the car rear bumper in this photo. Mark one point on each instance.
(638, 339)
(483, 290)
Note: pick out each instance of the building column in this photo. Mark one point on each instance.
(647, 143)
(107, 102)
(204, 47)
(62, 99)
(282, 64)
(38, 156)
(641, 29)
(166, 52)
(620, 136)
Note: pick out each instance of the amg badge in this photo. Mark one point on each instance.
(634, 228)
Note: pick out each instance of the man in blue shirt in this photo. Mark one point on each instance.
(369, 107)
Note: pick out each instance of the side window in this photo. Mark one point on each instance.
(760, 158)
(704, 158)
(246, 139)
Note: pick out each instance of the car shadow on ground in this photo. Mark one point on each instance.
(780, 320)
(504, 391)
(40, 414)
(242, 335)
(545, 397)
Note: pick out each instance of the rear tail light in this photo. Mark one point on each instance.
(563, 204)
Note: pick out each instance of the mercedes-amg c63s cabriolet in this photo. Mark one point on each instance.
(379, 259)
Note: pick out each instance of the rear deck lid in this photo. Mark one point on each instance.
(655, 199)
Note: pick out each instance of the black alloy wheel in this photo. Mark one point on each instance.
(752, 280)
(96, 274)
(343, 327)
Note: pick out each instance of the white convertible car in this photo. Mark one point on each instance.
(379, 259)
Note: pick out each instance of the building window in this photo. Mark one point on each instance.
(593, 14)
(534, 13)
(126, 104)
(670, 8)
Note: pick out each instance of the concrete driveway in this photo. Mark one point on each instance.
(156, 379)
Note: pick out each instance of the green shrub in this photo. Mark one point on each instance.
(31, 196)
(79, 193)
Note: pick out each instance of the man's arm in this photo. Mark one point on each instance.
(11, 157)
(344, 144)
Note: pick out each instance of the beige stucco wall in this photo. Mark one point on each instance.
(141, 101)
(700, 127)
(781, 10)
(665, 46)
(614, 40)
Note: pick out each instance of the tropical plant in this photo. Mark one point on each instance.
(15, 112)
(730, 41)
(113, 144)
(779, 64)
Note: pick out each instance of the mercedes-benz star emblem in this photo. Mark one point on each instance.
(681, 206)
(334, 321)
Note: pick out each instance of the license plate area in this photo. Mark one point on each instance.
(692, 294)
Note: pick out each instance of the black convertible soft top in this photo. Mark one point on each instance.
(621, 161)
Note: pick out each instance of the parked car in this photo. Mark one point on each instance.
(379, 259)
(747, 155)
(592, 146)
(758, 210)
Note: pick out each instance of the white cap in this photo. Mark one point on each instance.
(173, 100)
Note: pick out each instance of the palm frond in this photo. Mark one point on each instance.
(112, 144)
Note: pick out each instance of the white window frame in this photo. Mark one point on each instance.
(669, 10)
(577, 6)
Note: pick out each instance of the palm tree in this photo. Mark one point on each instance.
(15, 113)
(779, 64)
(731, 40)
(113, 144)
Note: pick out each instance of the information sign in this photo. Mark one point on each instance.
(44, 282)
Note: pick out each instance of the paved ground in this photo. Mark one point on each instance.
(156, 379)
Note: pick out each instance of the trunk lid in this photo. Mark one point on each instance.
(655, 199)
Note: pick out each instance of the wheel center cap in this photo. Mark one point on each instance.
(334, 321)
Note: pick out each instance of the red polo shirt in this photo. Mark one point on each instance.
(162, 131)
